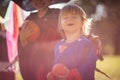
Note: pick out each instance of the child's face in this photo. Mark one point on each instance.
(71, 22)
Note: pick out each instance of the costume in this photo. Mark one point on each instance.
(79, 55)
(36, 56)
(3, 48)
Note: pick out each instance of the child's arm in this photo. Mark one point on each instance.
(89, 63)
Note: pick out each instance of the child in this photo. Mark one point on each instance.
(75, 51)
(37, 38)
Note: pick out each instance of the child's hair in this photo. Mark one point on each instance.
(77, 10)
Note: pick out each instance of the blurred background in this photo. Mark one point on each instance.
(106, 24)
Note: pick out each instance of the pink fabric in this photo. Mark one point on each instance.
(13, 20)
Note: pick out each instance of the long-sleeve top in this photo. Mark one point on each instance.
(79, 54)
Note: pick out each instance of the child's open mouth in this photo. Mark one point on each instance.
(70, 24)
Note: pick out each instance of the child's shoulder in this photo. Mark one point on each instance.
(85, 40)
(59, 42)
(97, 44)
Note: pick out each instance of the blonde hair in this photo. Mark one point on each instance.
(75, 9)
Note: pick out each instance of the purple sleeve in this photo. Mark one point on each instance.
(89, 63)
